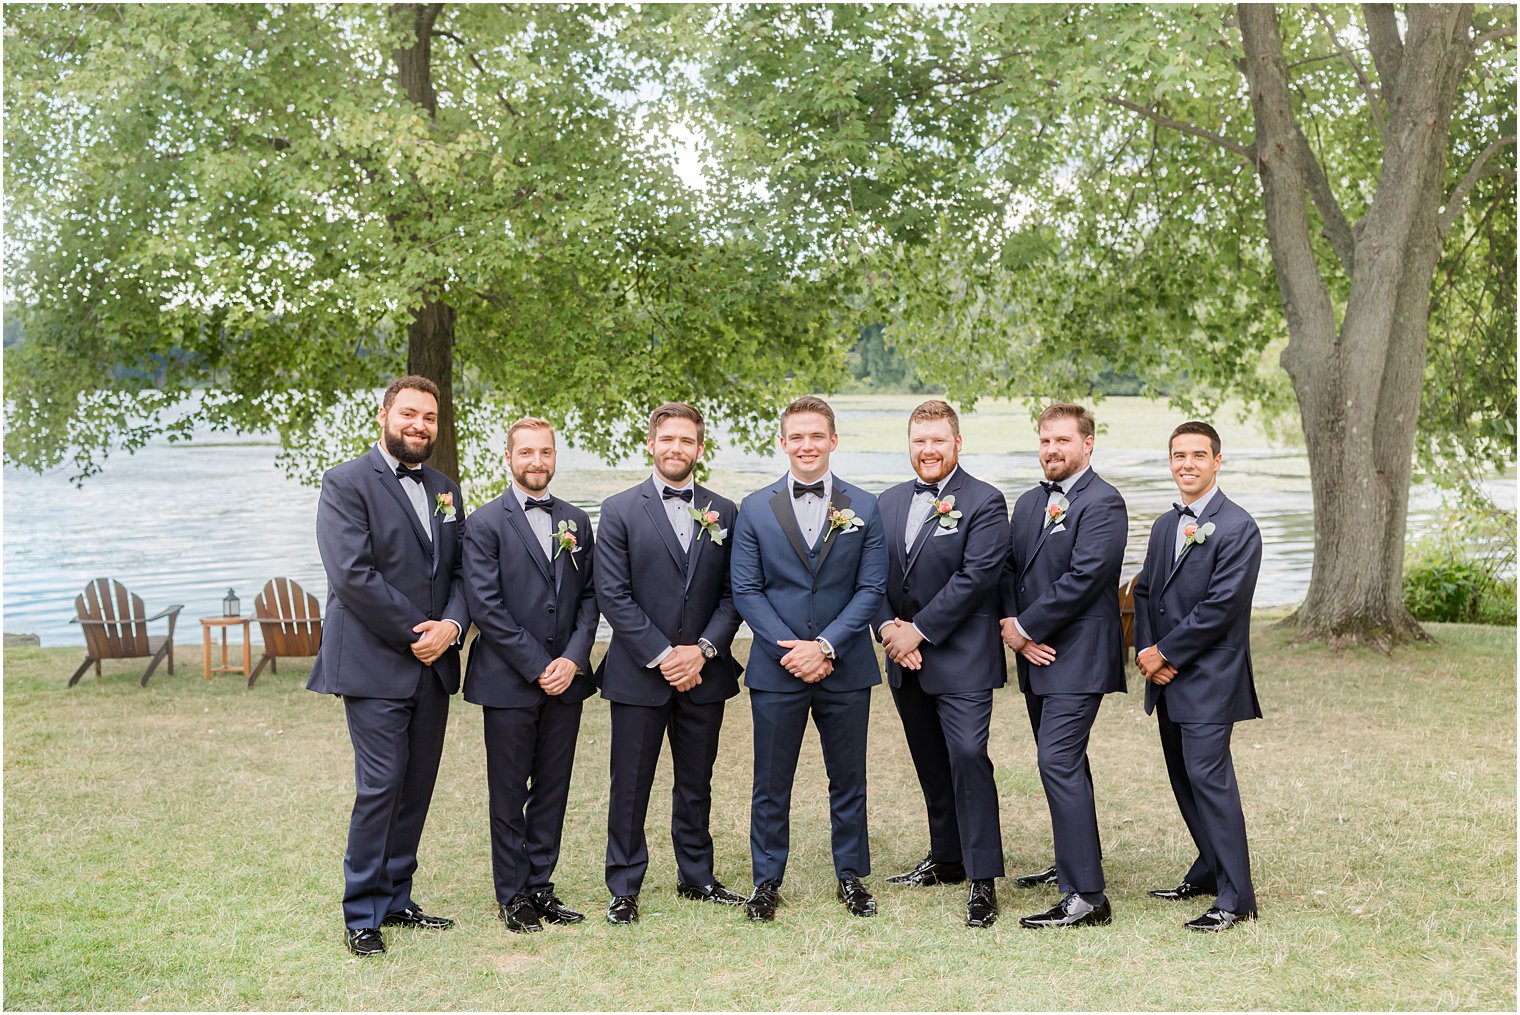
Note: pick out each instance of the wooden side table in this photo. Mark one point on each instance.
(209, 623)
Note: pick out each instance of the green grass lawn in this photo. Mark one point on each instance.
(181, 847)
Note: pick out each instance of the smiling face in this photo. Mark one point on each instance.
(1194, 465)
(410, 425)
(530, 456)
(933, 447)
(676, 446)
(1064, 452)
(808, 440)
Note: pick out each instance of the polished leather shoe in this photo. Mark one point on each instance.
(519, 915)
(1047, 876)
(366, 942)
(1186, 890)
(714, 892)
(761, 907)
(1217, 919)
(982, 907)
(855, 897)
(623, 909)
(551, 910)
(931, 872)
(1071, 911)
(411, 916)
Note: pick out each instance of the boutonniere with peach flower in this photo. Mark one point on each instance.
(707, 521)
(1055, 513)
(944, 512)
(842, 521)
(443, 504)
(565, 542)
(1193, 533)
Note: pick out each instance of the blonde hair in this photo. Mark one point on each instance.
(528, 423)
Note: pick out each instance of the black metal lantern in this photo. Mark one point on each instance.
(230, 605)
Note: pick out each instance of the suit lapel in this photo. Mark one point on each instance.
(930, 524)
(1214, 505)
(654, 508)
(432, 485)
(518, 522)
(562, 558)
(387, 479)
(1045, 530)
(838, 501)
(781, 506)
(705, 497)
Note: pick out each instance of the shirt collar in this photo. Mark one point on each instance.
(522, 495)
(1070, 482)
(828, 484)
(943, 482)
(660, 484)
(391, 461)
(1203, 502)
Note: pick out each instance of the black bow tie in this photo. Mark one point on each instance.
(919, 487)
(1051, 487)
(798, 489)
(543, 505)
(671, 493)
(1183, 509)
(402, 472)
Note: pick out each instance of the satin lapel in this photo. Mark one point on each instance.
(1177, 562)
(519, 523)
(931, 524)
(781, 506)
(654, 507)
(697, 539)
(392, 485)
(837, 502)
(896, 524)
(1045, 530)
(562, 558)
(432, 485)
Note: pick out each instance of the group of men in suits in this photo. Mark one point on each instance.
(935, 570)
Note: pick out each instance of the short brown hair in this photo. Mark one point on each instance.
(528, 423)
(1086, 425)
(1199, 427)
(808, 403)
(933, 409)
(677, 410)
(414, 381)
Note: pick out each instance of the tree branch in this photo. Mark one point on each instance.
(1337, 229)
(1458, 196)
(1387, 46)
(1487, 37)
(456, 40)
(1374, 103)
(1246, 152)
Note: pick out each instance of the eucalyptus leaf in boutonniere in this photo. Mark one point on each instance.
(842, 521)
(1192, 533)
(707, 521)
(565, 541)
(944, 512)
(1055, 512)
(443, 504)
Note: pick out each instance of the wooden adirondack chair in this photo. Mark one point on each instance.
(1127, 612)
(116, 627)
(290, 620)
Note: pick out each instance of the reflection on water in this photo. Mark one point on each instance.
(182, 523)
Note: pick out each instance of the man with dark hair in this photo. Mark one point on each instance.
(662, 583)
(1061, 615)
(947, 537)
(528, 569)
(809, 568)
(1193, 632)
(389, 530)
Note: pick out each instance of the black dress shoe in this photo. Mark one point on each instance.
(1217, 919)
(519, 915)
(761, 907)
(1071, 911)
(1047, 876)
(411, 916)
(366, 942)
(714, 892)
(982, 907)
(623, 909)
(931, 872)
(1186, 890)
(855, 897)
(551, 910)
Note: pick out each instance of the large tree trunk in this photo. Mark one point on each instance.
(1358, 383)
(430, 334)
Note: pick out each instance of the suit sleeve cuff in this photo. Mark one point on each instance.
(921, 634)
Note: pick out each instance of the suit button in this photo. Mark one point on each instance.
(1163, 611)
(815, 588)
(551, 609)
(812, 553)
(1021, 588)
(810, 627)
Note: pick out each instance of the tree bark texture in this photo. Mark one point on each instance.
(1358, 380)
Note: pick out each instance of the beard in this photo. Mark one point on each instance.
(1058, 471)
(536, 482)
(937, 471)
(397, 446)
(686, 467)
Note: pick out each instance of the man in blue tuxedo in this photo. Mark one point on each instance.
(1193, 617)
(809, 570)
(389, 530)
(1061, 615)
(528, 575)
(947, 539)
(662, 583)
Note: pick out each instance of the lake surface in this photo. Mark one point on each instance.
(181, 523)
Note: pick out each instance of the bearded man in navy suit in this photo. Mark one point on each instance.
(1193, 617)
(947, 538)
(389, 531)
(662, 583)
(809, 571)
(1061, 615)
(528, 574)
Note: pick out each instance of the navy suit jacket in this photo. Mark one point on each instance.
(1196, 610)
(529, 611)
(1062, 583)
(948, 585)
(653, 599)
(786, 590)
(383, 579)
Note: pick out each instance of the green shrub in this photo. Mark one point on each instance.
(1446, 583)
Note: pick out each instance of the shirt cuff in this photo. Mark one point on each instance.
(1020, 628)
(881, 632)
(458, 631)
(657, 660)
(828, 649)
(921, 635)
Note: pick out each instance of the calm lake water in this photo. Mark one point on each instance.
(182, 523)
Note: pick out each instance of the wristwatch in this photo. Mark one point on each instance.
(709, 650)
(826, 649)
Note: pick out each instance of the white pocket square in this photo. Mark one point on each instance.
(946, 532)
(449, 518)
(1060, 527)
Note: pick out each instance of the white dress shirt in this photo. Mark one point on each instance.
(413, 489)
(1183, 520)
(539, 521)
(918, 511)
(810, 510)
(676, 508)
